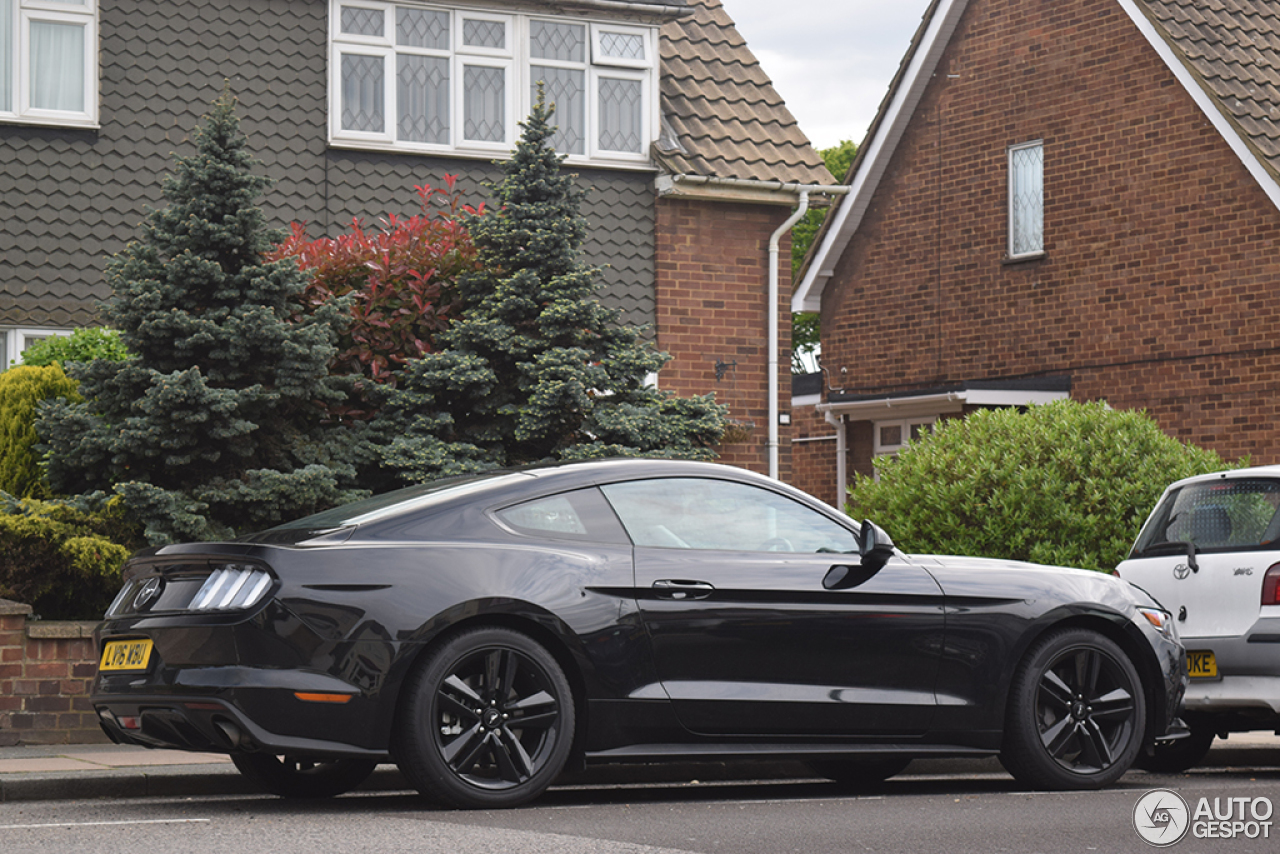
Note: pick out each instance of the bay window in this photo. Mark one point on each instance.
(433, 78)
(48, 62)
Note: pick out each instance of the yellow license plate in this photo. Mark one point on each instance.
(1201, 665)
(126, 655)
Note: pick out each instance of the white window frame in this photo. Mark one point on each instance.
(1015, 226)
(16, 339)
(599, 58)
(457, 105)
(882, 449)
(593, 120)
(24, 13)
(517, 61)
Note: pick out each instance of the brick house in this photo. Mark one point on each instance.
(692, 160)
(1075, 198)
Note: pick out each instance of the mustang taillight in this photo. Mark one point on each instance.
(1271, 586)
(231, 587)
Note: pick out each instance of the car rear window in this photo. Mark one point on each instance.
(1219, 515)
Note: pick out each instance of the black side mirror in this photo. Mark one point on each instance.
(874, 546)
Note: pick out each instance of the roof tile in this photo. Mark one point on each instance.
(722, 116)
(1233, 48)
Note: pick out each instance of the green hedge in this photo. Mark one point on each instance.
(64, 560)
(83, 345)
(1067, 484)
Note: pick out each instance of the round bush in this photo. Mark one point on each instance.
(83, 345)
(21, 390)
(1067, 484)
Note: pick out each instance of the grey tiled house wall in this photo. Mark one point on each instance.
(71, 198)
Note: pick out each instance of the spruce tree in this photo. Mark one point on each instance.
(535, 368)
(212, 426)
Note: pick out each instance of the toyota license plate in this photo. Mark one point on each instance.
(1201, 665)
(126, 655)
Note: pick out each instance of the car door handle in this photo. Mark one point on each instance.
(672, 588)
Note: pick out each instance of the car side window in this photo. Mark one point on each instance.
(579, 515)
(703, 513)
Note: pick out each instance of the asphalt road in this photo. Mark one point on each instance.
(983, 811)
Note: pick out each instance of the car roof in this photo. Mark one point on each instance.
(1230, 474)
(517, 484)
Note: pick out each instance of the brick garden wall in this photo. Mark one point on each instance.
(1156, 289)
(46, 670)
(712, 287)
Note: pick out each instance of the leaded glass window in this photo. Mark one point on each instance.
(423, 96)
(484, 93)
(1026, 199)
(426, 28)
(436, 78)
(557, 40)
(360, 21)
(363, 107)
(566, 89)
(621, 116)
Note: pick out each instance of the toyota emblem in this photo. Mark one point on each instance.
(1181, 571)
(149, 593)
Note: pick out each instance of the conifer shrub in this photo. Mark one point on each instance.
(534, 368)
(1066, 484)
(215, 425)
(64, 559)
(22, 389)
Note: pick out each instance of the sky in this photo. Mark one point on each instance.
(830, 60)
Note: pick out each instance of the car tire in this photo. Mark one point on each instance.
(1076, 713)
(291, 777)
(860, 774)
(486, 721)
(1174, 757)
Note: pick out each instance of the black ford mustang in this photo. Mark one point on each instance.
(486, 632)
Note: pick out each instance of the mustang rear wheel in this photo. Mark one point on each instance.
(487, 721)
(291, 777)
(1076, 713)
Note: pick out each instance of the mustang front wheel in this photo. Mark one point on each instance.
(487, 721)
(1076, 713)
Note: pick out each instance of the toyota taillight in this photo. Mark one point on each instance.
(1271, 586)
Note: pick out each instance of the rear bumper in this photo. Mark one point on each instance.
(1248, 673)
(207, 725)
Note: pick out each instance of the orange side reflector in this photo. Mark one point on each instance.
(322, 698)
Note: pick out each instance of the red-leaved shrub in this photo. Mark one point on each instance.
(402, 279)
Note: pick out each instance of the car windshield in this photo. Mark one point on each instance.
(1218, 515)
(392, 503)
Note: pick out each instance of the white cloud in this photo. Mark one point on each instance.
(830, 60)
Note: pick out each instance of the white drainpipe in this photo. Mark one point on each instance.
(773, 329)
(666, 183)
(842, 449)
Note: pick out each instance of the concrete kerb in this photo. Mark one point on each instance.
(82, 772)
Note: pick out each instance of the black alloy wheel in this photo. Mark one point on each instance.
(294, 777)
(1076, 713)
(487, 721)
